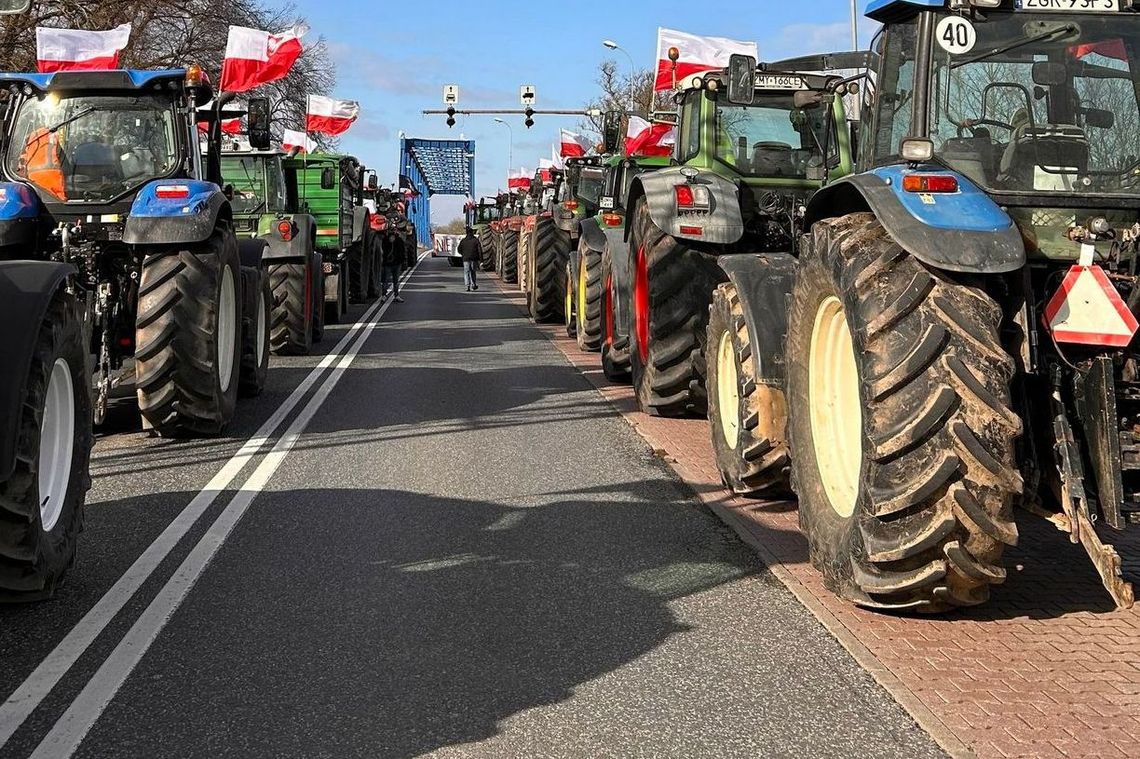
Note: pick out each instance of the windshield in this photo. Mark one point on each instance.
(255, 181)
(771, 138)
(1055, 110)
(487, 213)
(92, 148)
(591, 182)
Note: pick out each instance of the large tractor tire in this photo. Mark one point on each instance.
(549, 251)
(486, 243)
(256, 314)
(748, 418)
(615, 348)
(359, 266)
(672, 286)
(901, 430)
(335, 309)
(523, 256)
(509, 270)
(41, 504)
(587, 293)
(293, 315)
(317, 291)
(375, 259)
(188, 338)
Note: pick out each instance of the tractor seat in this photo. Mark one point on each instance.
(1063, 148)
(773, 159)
(96, 162)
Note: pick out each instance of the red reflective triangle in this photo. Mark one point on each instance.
(1087, 310)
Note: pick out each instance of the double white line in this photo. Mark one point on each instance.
(70, 729)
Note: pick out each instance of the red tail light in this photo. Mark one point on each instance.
(692, 197)
(611, 219)
(172, 191)
(285, 227)
(930, 183)
(570, 205)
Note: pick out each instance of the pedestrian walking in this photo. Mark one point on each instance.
(471, 252)
(390, 267)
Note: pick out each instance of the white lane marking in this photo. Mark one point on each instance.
(28, 696)
(69, 731)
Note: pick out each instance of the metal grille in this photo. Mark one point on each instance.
(436, 167)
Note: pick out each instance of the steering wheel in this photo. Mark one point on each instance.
(972, 123)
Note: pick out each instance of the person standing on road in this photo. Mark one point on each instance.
(470, 251)
(390, 267)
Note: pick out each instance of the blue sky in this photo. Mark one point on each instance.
(396, 58)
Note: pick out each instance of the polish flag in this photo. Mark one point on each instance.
(78, 50)
(574, 144)
(254, 57)
(294, 138)
(330, 116)
(697, 54)
(555, 157)
(645, 139)
(518, 180)
(229, 126)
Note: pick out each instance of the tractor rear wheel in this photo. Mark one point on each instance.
(549, 250)
(615, 347)
(359, 272)
(317, 291)
(41, 503)
(672, 285)
(510, 248)
(901, 430)
(748, 419)
(523, 256)
(256, 297)
(486, 244)
(375, 257)
(292, 320)
(586, 292)
(188, 337)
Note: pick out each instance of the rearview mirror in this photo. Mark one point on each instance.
(741, 79)
(373, 182)
(328, 178)
(1101, 119)
(1050, 74)
(257, 117)
(611, 132)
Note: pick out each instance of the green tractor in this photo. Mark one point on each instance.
(332, 187)
(265, 203)
(480, 218)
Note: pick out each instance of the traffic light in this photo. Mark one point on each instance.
(451, 115)
(529, 117)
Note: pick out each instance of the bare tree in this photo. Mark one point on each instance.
(616, 88)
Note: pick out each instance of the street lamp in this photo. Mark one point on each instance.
(611, 45)
(854, 25)
(510, 146)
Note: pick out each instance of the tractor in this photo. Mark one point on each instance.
(480, 217)
(507, 250)
(543, 251)
(117, 239)
(265, 201)
(959, 331)
(332, 188)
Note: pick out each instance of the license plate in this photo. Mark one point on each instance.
(777, 82)
(606, 203)
(1068, 5)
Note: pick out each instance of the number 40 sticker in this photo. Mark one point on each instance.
(956, 35)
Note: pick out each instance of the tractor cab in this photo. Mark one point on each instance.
(258, 186)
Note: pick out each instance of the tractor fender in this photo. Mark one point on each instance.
(298, 248)
(19, 212)
(721, 225)
(26, 290)
(593, 234)
(764, 283)
(252, 252)
(623, 281)
(964, 231)
(155, 220)
(360, 223)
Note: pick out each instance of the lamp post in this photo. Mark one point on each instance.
(611, 45)
(510, 146)
(854, 25)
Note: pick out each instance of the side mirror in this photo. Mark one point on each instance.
(741, 79)
(1050, 74)
(373, 182)
(258, 124)
(328, 178)
(611, 132)
(1101, 119)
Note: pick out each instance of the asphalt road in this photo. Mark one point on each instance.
(449, 545)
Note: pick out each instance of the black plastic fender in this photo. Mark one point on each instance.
(764, 282)
(26, 290)
(252, 252)
(723, 224)
(179, 230)
(620, 271)
(975, 252)
(593, 234)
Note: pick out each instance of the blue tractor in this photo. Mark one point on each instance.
(119, 273)
(959, 328)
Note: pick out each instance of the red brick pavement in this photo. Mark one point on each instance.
(1047, 668)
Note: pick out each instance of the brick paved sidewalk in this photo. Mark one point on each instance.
(1047, 668)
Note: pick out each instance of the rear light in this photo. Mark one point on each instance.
(930, 183)
(570, 205)
(172, 191)
(695, 231)
(692, 197)
(285, 228)
(611, 219)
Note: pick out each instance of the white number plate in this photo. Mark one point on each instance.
(606, 203)
(1068, 5)
(778, 82)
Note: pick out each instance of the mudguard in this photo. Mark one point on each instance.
(155, 220)
(296, 249)
(252, 252)
(764, 282)
(721, 225)
(964, 231)
(593, 233)
(19, 212)
(26, 289)
(620, 271)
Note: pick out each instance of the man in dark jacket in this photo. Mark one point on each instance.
(390, 267)
(470, 251)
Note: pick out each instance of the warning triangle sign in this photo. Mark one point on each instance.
(1087, 310)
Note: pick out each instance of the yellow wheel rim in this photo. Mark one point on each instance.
(835, 406)
(581, 292)
(728, 390)
(568, 311)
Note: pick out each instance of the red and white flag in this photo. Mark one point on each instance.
(229, 126)
(645, 139)
(556, 157)
(518, 180)
(254, 57)
(574, 144)
(78, 50)
(329, 115)
(294, 138)
(697, 54)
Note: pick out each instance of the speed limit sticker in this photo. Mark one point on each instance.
(956, 35)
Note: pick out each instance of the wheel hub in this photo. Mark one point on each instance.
(728, 390)
(57, 440)
(835, 406)
(226, 324)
